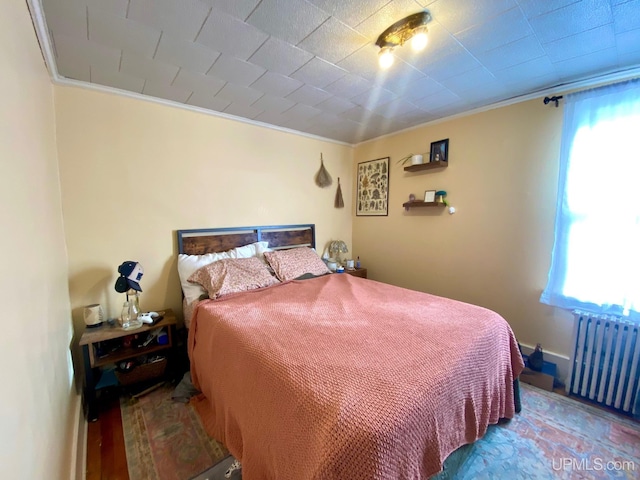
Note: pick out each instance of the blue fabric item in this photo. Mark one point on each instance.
(595, 264)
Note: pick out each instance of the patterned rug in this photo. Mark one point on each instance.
(164, 439)
(553, 437)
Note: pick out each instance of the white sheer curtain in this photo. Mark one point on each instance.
(596, 254)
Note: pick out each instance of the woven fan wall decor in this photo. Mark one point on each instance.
(323, 179)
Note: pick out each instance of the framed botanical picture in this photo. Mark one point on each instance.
(440, 151)
(373, 188)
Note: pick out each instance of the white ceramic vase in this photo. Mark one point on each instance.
(416, 159)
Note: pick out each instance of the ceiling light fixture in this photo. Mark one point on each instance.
(413, 27)
(419, 39)
(385, 57)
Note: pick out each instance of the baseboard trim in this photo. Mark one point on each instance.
(561, 361)
(78, 460)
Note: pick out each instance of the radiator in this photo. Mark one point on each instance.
(605, 362)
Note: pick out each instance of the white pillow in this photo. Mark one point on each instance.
(187, 264)
(253, 250)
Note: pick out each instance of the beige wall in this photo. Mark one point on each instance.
(38, 401)
(134, 172)
(495, 251)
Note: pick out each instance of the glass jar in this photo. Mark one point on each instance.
(129, 316)
(134, 297)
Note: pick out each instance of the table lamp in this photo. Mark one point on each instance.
(336, 247)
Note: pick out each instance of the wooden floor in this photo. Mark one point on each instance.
(106, 456)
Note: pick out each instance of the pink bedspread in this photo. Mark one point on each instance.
(339, 377)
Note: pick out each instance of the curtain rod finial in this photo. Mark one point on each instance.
(555, 99)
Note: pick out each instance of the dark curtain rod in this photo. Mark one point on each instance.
(552, 99)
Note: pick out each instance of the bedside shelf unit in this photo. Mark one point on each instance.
(358, 272)
(420, 203)
(426, 166)
(93, 363)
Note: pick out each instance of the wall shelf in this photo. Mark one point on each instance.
(425, 166)
(420, 203)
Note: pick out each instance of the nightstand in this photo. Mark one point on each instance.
(107, 345)
(358, 272)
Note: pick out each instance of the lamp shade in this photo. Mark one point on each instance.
(338, 246)
(92, 315)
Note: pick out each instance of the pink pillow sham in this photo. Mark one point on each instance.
(233, 275)
(292, 263)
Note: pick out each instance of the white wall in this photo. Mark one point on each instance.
(38, 400)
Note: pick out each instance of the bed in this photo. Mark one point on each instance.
(339, 377)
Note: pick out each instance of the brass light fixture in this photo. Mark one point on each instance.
(413, 27)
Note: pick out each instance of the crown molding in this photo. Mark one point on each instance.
(37, 15)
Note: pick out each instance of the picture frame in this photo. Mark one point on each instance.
(439, 151)
(429, 196)
(372, 198)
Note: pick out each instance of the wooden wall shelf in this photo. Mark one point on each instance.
(425, 166)
(420, 203)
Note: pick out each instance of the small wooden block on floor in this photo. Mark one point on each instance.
(537, 379)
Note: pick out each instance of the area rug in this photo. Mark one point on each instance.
(553, 437)
(165, 440)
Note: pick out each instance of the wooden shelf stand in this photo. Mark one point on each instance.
(93, 363)
(426, 166)
(420, 203)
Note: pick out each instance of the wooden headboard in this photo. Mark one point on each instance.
(210, 240)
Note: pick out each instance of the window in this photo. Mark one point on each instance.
(596, 254)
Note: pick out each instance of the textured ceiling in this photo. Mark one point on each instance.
(311, 65)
